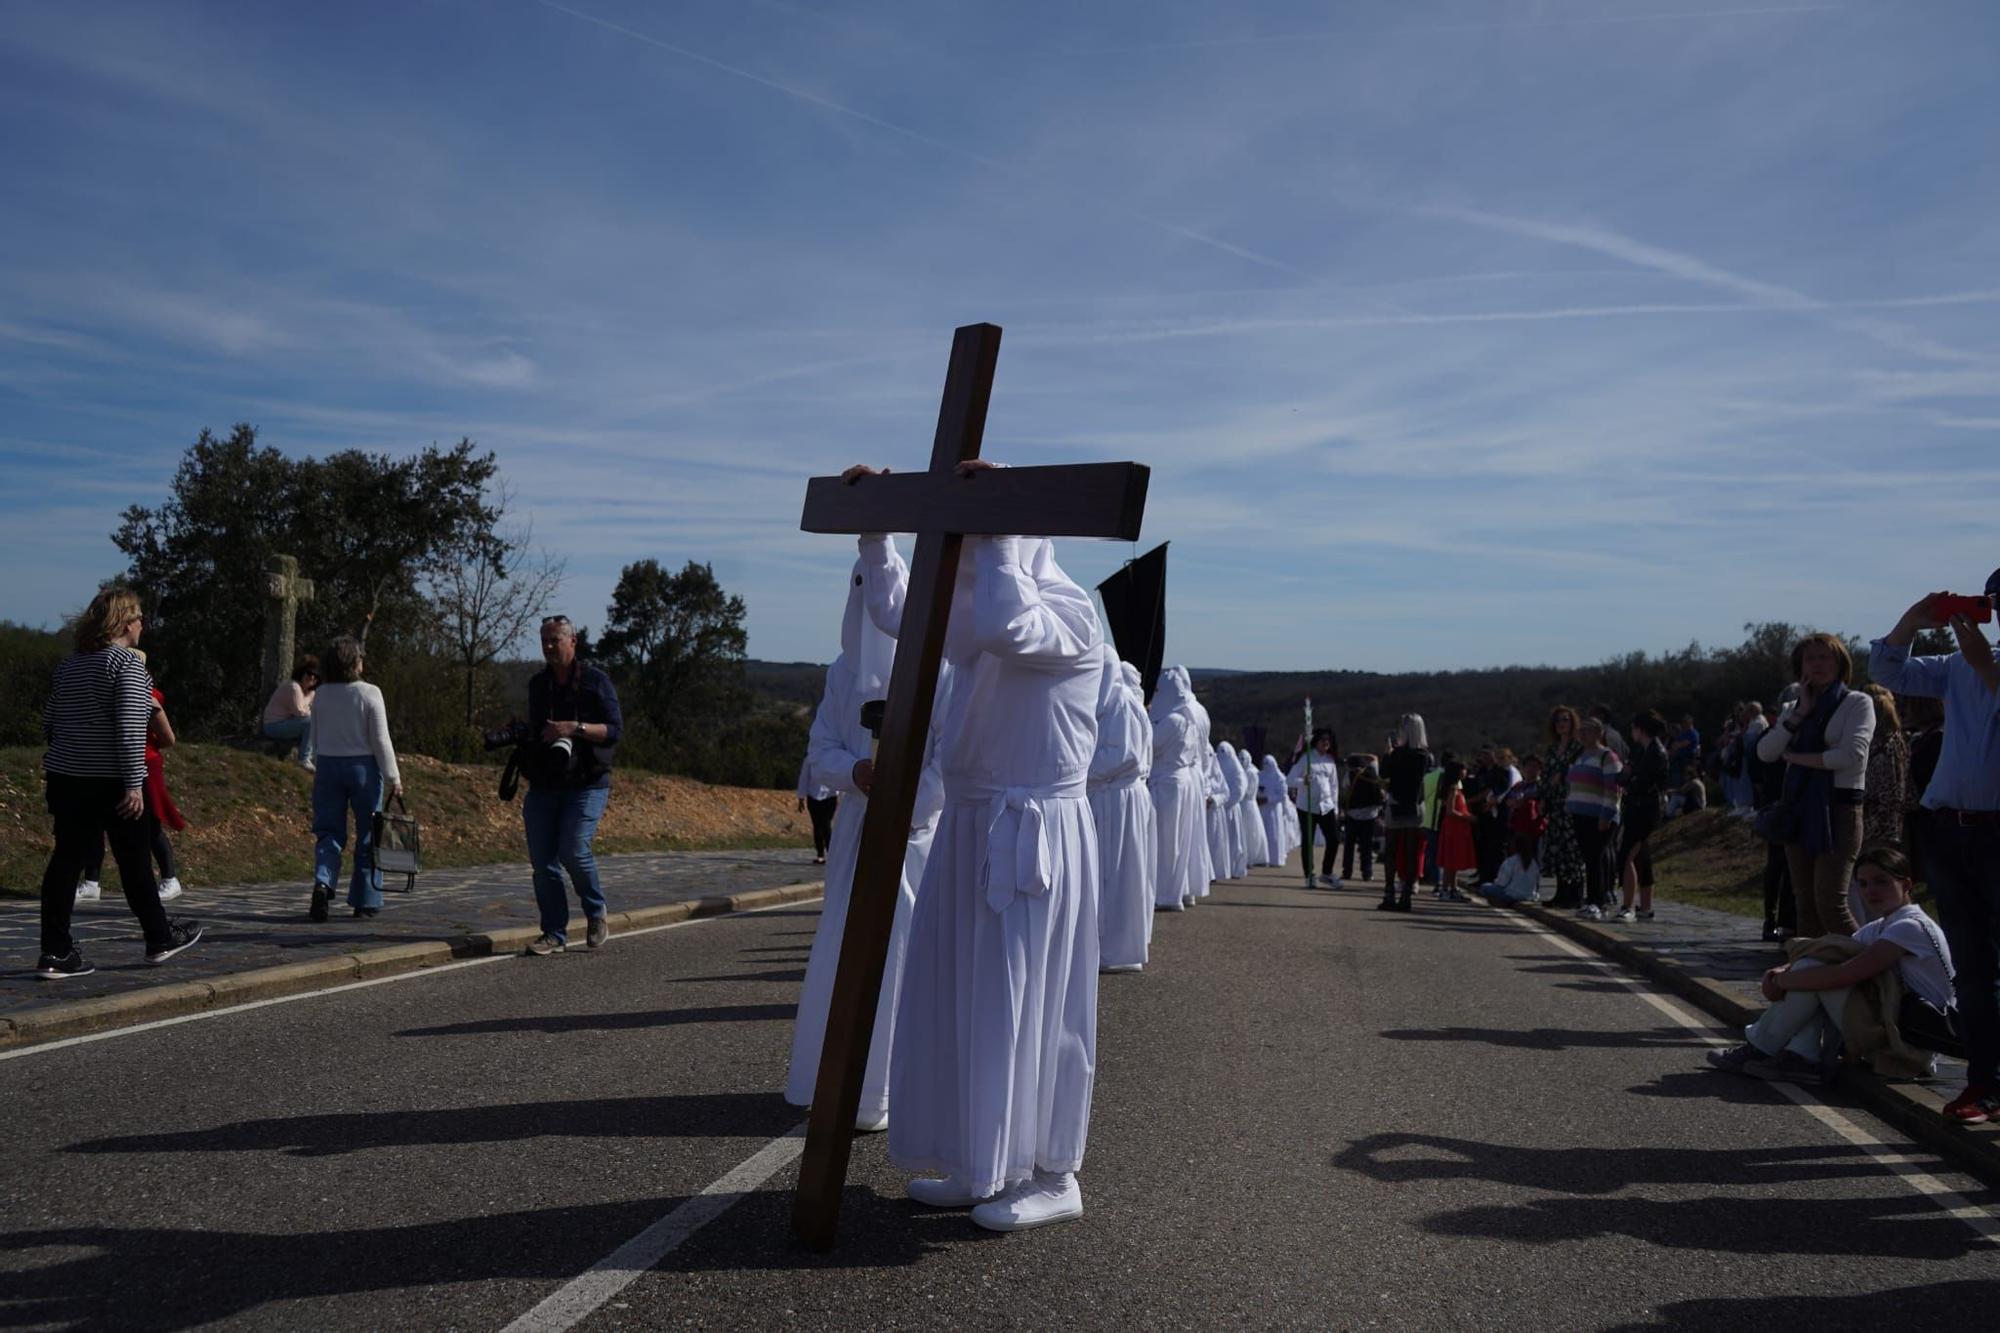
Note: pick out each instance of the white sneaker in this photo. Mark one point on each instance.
(1049, 1197)
(1627, 915)
(1333, 883)
(89, 891)
(170, 889)
(1121, 967)
(865, 1123)
(1590, 912)
(949, 1192)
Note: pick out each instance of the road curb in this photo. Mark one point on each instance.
(80, 1018)
(1914, 1109)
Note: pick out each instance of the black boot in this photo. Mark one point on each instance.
(1403, 903)
(1388, 903)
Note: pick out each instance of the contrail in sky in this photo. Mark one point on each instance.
(917, 136)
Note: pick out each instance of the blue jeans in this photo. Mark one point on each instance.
(294, 729)
(560, 825)
(1964, 869)
(344, 783)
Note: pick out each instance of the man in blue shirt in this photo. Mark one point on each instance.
(1961, 838)
(569, 701)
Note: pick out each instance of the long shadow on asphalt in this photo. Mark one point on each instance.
(1710, 1085)
(651, 1018)
(788, 974)
(1934, 1305)
(1903, 1226)
(152, 1279)
(689, 1115)
(1399, 1158)
(1553, 1039)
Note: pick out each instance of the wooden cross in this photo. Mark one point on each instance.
(942, 508)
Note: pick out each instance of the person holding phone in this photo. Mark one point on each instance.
(1961, 821)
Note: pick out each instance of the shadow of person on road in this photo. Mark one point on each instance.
(671, 1116)
(1571, 1169)
(1932, 1305)
(625, 1022)
(1554, 1039)
(788, 974)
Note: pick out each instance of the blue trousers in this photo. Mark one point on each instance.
(345, 783)
(1964, 869)
(560, 825)
(293, 729)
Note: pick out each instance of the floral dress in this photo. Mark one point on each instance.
(1885, 794)
(1561, 856)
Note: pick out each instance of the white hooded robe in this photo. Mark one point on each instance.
(1127, 852)
(1256, 845)
(1179, 789)
(1281, 829)
(1233, 791)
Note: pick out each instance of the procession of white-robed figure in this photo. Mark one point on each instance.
(1005, 836)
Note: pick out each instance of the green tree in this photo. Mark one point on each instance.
(676, 644)
(365, 528)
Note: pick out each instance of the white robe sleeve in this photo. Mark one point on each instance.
(1049, 625)
(829, 762)
(885, 582)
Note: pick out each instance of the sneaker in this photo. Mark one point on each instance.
(1735, 1058)
(1784, 1067)
(1332, 883)
(1590, 912)
(543, 945)
(180, 935)
(89, 891)
(597, 932)
(945, 1192)
(1646, 915)
(321, 897)
(1627, 915)
(1974, 1106)
(308, 765)
(170, 889)
(1048, 1198)
(51, 968)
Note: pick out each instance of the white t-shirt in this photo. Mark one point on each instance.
(1925, 966)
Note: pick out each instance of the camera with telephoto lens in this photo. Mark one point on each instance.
(543, 763)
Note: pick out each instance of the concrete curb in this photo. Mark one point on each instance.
(1913, 1108)
(78, 1018)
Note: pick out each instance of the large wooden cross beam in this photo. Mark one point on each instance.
(942, 508)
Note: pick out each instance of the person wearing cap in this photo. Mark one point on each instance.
(1961, 824)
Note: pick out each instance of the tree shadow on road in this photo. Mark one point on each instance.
(1554, 1039)
(149, 1279)
(651, 1018)
(788, 974)
(760, 1115)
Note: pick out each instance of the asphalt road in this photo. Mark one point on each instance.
(1308, 1114)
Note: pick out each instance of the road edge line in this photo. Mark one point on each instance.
(107, 1013)
(1911, 1108)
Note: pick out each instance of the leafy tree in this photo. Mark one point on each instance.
(365, 527)
(676, 643)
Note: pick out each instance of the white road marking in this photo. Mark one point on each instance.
(1902, 1158)
(584, 1295)
(439, 970)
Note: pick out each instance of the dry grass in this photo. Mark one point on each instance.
(1710, 859)
(249, 816)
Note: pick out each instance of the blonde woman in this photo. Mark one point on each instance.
(99, 708)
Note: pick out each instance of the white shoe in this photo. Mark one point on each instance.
(1333, 883)
(170, 889)
(308, 765)
(950, 1192)
(871, 1124)
(1120, 967)
(1627, 915)
(89, 891)
(1591, 913)
(1049, 1197)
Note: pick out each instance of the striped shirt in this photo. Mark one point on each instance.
(1593, 784)
(96, 714)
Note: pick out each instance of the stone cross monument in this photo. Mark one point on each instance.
(284, 590)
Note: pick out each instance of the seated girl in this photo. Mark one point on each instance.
(1809, 997)
(1519, 879)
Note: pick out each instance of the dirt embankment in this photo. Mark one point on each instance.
(250, 816)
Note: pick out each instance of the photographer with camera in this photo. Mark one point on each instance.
(1961, 822)
(573, 728)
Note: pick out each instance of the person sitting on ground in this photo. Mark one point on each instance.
(1690, 796)
(1519, 880)
(1684, 752)
(288, 714)
(1812, 1000)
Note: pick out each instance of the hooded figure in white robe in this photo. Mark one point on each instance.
(1220, 861)
(838, 744)
(1119, 802)
(1233, 790)
(1280, 829)
(1256, 847)
(996, 1044)
(1179, 790)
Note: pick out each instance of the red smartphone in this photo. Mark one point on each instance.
(1976, 609)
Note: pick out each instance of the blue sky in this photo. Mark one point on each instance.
(1456, 332)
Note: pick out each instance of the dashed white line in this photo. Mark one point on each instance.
(1898, 1157)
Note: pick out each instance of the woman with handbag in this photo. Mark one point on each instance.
(1809, 998)
(354, 765)
(1823, 736)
